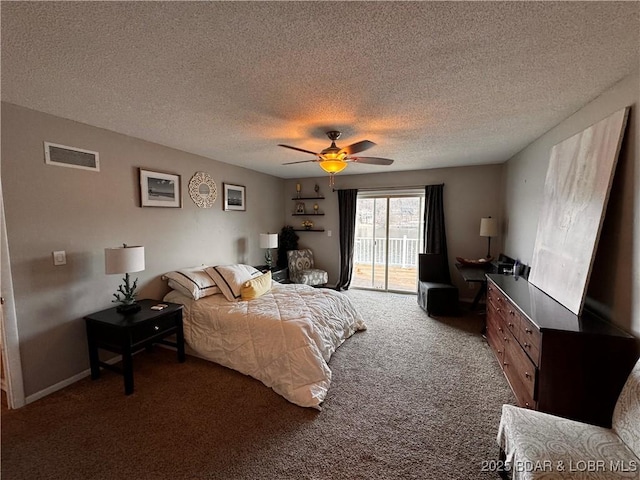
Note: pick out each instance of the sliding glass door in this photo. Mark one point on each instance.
(388, 239)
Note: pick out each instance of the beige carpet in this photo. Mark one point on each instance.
(411, 398)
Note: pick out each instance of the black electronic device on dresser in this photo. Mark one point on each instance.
(278, 274)
(128, 333)
(555, 361)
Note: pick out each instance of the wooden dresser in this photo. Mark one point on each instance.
(555, 361)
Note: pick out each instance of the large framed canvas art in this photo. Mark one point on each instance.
(576, 192)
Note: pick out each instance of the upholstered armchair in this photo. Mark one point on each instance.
(301, 268)
(530, 440)
(436, 294)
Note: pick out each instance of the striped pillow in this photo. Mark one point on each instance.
(230, 278)
(193, 282)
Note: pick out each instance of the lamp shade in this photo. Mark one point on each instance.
(123, 259)
(488, 227)
(268, 240)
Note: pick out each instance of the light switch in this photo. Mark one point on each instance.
(60, 257)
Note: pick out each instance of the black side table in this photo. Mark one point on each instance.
(280, 275)
(127, 333)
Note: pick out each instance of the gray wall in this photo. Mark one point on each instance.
(470, 193)
(55, 208)
(615, 283)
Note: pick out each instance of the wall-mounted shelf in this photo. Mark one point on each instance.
(308, 229)
(308, 214)
(307, 198)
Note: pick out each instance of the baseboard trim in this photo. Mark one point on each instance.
(85, 373)
(65, 383)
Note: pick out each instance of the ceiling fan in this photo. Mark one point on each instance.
(334, 159)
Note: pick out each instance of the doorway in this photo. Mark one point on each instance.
(388, 237)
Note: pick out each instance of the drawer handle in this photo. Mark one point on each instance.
(499, 299)
(505, 363)
(526, 404)
(510, 324)
(498, 309)
(527, 345)
(506, 339)
(527, 374)
(156, 328)
(500, 352)
(511, 312)
(528, 330)
(500, 329)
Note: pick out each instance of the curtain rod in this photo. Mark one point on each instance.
(404, 187)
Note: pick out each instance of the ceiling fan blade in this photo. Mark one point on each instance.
(358, 147)
(301, 161)
(298, 149)
(371, 160)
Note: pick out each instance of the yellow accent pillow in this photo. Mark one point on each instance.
(256, 287)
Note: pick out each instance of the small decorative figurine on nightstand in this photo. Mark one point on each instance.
(307, 224)
(317, 189)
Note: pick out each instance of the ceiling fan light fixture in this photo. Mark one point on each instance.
(332, 166)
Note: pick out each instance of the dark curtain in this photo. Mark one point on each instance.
(435, 237)
(347, 200)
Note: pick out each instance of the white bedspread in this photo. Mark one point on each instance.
(284, 338)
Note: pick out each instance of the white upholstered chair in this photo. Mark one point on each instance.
(301, 268)
(538, 445)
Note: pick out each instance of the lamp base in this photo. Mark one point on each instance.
(130, 308)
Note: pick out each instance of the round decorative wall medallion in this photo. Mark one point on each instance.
(203, 190)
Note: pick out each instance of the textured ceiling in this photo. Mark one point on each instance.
(432, 83)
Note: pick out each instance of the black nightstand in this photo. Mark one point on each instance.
(128, 333)
(280, 275)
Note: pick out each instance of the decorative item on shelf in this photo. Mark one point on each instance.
(488, 228)
(315, 208)
(300, 208)
(307, 224)
(317, 190)
(298, 189)
(124, 260)
(268, 241)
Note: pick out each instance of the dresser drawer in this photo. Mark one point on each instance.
(521, 372)
(147, 330)
(530, 339)
(495, 335)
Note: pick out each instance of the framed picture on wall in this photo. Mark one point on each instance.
(234, 197)
(159, 189)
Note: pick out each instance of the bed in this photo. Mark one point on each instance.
(282, 335)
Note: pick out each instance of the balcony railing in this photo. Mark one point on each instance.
(403, 252)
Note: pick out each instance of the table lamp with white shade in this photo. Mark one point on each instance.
(488, 228)
(125, 259)
(268, 241)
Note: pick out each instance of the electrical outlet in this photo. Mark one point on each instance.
(59, 258)
(328, 233)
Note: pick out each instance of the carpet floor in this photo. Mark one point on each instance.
(412, 397)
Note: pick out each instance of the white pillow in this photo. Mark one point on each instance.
(230, 278)
(194, 282)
